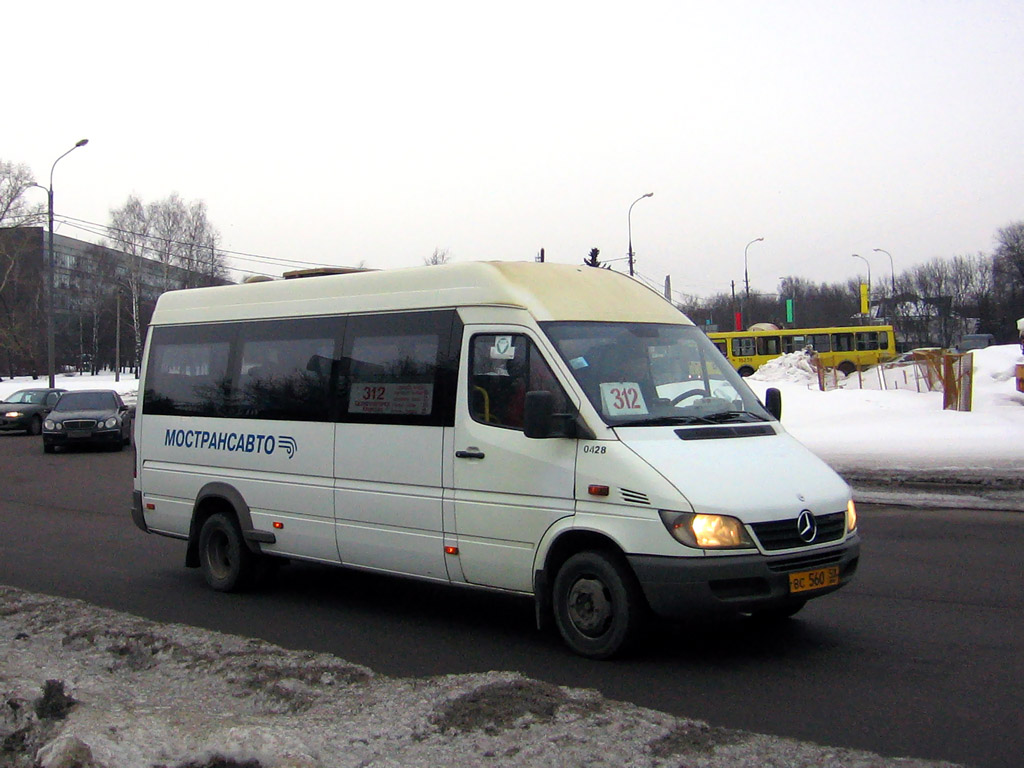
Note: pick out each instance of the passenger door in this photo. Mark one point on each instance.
(508, 489)
(397, 396)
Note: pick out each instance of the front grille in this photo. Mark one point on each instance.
(783, 534)
(80, 424)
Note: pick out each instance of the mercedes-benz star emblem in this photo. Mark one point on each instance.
(806, 526)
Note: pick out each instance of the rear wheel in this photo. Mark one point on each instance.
(598, 605)
(226, 561)
(846, 367)
(745, 371)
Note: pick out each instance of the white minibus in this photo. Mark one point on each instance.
(550, 430)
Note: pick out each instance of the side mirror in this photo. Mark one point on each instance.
(538, 414)
(773, 402)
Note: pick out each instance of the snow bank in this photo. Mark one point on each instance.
(85, 687)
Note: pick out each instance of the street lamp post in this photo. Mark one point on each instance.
(868, 264)
(746, 274)
(892, 269)
(629, 226)
(50, 357)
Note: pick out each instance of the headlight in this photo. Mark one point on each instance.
(851, 516)
(706, 531)
(51, 424)
(111, 422)
(12, 414)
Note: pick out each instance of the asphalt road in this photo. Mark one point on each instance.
(922, 656)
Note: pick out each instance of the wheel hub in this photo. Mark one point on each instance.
(589, 607)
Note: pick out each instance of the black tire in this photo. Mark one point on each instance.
(598, 606)
(225, 560)
(48, 448)
(745, 371)
(35, 427)
(846, 368)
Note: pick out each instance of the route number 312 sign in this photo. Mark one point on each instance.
(622, 398)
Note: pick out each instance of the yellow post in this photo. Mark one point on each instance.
(864, 299)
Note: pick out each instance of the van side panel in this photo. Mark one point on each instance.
(388, 498)
(283, 470)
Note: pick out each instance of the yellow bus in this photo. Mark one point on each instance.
(845, 348)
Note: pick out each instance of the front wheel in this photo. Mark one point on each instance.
(35, 427)
(598, 605)
(225, 560)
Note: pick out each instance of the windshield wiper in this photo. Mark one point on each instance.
(725, 416)
(719, 417)
(657, 421)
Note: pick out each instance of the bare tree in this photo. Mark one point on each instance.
(1010, 250)
(15, 211)
(130, 230)
(437, 257)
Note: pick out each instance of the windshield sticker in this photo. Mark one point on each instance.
(503, 349)
(579, 362)
(622, 398)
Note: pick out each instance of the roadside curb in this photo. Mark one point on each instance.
(963, 489)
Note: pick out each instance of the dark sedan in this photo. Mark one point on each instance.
(24, 410)
(88, 417)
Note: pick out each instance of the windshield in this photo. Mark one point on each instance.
(27, 397)
(86, 401)
(652, 374)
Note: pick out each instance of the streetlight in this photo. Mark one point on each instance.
(746, 275)
(50, 362)
(629, 225)
(892, 269)
(865, 305)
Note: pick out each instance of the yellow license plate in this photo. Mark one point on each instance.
(805, 581)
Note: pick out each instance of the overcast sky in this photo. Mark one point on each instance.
(348, 132)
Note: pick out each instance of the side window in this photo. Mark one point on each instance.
(842, 342)
(285, 369)
(767, 345)
(743, 346)
(399, 369)
(502, 369)
(187, 372)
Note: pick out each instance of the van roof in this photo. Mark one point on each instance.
(547, 291)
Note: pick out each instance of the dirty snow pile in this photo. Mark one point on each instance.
(85, 687)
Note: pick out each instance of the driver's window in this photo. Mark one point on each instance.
(503, 368)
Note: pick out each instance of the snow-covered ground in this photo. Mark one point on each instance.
(888, 441)
(85, 687)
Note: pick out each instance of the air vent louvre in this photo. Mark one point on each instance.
(634, 497)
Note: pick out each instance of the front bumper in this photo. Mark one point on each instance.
(20, 424)
(678, 587)
(83, 437)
